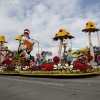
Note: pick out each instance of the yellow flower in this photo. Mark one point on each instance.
(68, 67)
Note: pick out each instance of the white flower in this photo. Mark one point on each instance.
(59, 64)
(54, 66)
(24, 68)
(66, 64)
(71, 66)
(99, 66)
(18, 68)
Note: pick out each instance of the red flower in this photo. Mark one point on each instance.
(86, 67)
(98, 56)
(82, 67)
(90, 58)
(32, 67)
(8, 62)
(39, 67)
(43, 65)
(78, 64)
(27, 63)
(56, 59)
(48, 66)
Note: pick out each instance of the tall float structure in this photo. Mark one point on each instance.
(90, 27)
(3, 48)
(61, 35)
(25, 45)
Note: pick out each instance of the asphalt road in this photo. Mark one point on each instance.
(35, 88)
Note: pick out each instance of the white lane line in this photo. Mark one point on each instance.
(32, 81)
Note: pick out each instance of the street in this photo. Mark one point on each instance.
(35, 88)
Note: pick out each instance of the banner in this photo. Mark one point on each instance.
(48, 53)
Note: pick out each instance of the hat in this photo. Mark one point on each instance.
(26, 33)
(19, 37)
(2, 39)
(90, 26)
(6, 48)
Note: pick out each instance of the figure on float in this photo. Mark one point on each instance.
(25, 46)
(2, 49)
(70, 58)
(39, 62)
(5, 54)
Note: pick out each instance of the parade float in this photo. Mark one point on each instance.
(68, 62)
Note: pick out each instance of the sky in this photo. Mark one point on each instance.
(44, 18)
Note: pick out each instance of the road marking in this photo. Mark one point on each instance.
(37, 82)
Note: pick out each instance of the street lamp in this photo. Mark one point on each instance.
(38, 44)
(39, 47)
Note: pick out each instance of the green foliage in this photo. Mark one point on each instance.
(16, 56)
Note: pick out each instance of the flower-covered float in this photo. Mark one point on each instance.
(66, 63)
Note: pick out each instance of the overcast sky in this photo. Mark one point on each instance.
(44, 18)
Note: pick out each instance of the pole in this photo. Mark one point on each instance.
(91, 46)
(0, 52)
(38, 44)
(60, 48)
(71, 43)
(38, 47)
(41, 49)
(0, 58)
(98, 39)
